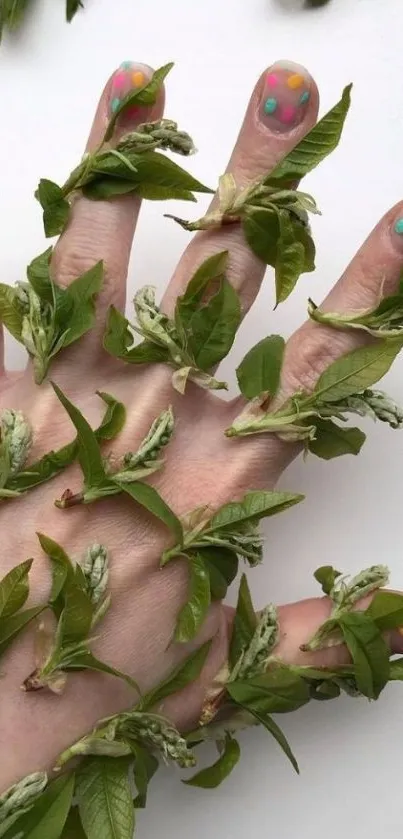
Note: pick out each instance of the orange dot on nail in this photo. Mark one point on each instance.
(138, 78)
(295, 81)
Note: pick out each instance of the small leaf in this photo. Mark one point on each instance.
(12, 626)
(14, 589)
(278, 691)
(76, 617)
(183, 675)
(114, 419)
(89, 452)
(290, 260)
(118, 338)
(193, 614)
(386, 610)
(56, 209)
(323, 138)
(144, 769)
(149, 498)
(333, 440)
(47, 817)
(62, 567)
(10, 312)
(81, 294)
(245, 622)
(267, 721)
(355, 371)
(261, 228)
(396, 669)
(222, 566)
(38, 273)
(211, 270)
(213, 327)
(254, 506)
(72, 7)
(213, 776)
(260, 370)
(368, 650)
(104, 798)
(326, 576)
(146, 95)
(85, 660)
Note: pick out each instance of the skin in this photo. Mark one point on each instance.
(135, 636)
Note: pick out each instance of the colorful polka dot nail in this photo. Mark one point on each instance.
(128, 77)
(286, 95)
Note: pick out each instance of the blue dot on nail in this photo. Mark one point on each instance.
(115, 105)
(126, 65)
(304, 98)
(399, 226)
(270, 106)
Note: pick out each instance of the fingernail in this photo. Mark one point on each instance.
(285, 97)
(128, 77)
(397, 234)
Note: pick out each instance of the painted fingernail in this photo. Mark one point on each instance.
(396, 231)
(128, 77)
(286, 95)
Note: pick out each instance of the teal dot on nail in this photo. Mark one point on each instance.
(115, 105)
(270, 106)
(126, 65)
(304, 98)
(399, 226)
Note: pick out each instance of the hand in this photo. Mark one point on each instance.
(203, 466)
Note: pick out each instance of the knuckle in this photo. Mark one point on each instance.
(309, 352)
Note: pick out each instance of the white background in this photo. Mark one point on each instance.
(50, 79)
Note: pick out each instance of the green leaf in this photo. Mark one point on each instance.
(12, 626)
(245, 622)
(386, 610)
(89, 453)
(396, 669)
(104, 798)
(193, 614)
(213, 776)
(149, 498)
(326, 576)
(368, 650)
(114, 419)
(260, 370)
(14, 589)
(222, 566)
(81, 294)
(154, 177)
(146, 95)
(355, 371)
(72, 7)
(278, 691)
(254, 506)
(10, 312)
(183, 675)
(267, 721)
(144, 769)
(333, 440)
(85, 660)
(290, 260)
(76, 617)
(118, 338)
(213, 327)
(211, 270)
(73, 828)
(323, 138)
(56, 209)
(62, 567)
(38, 273)
(262, 231)
(46, 819)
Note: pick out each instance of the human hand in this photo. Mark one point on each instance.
(202, 466)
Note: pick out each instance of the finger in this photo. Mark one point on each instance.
(104, 229)
(300, 621)
(375, 270)
(282, 109)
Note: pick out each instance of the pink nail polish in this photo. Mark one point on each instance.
(285, 97)
(128, 77)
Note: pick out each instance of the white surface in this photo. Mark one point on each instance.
(50, 78)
